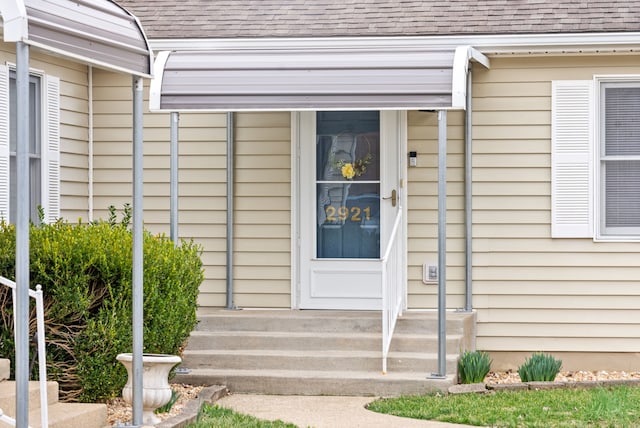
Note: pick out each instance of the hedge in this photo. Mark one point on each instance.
(86, 271)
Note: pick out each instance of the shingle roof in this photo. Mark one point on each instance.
(327, 18)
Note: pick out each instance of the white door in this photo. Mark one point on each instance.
(349, 196)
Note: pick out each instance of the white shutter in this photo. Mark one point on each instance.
(572, 159)
(51, 150)
(4, 142)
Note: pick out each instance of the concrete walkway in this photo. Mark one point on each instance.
(320, 412)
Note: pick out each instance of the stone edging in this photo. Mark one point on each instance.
(189, 414)
(536, 386)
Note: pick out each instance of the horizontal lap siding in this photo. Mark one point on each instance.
(262, 243)
(422, 213)
(202, 173)
(534, 293)
(74, 117)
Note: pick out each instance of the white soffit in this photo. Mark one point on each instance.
(97, 32)
(318, 79)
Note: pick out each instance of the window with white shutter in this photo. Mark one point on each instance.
(44, 146)
(595, 172)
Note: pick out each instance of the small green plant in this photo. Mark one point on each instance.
(167, 407)
(473, 366)
(540, 367)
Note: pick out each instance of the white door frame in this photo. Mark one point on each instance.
(296, 191)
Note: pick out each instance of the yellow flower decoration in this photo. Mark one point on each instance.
(347, 171)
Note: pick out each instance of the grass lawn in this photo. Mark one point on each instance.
(598, 407)
(218, 417)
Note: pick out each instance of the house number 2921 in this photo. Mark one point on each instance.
(343, 213)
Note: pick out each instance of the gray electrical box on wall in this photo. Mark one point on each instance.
(430, 273)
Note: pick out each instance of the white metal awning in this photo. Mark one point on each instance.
(319, 79)
(97, 32)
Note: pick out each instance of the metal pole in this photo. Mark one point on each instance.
(175, 123)
(230, 156)
(442, 243)
(137, 283)
(468, 250)
(22, 235)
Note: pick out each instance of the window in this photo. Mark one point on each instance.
(596, 158)
(44, 176)
(35, 146)
(619, 155)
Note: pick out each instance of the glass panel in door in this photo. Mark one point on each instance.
(348, 185)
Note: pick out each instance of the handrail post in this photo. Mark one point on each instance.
(42, 356)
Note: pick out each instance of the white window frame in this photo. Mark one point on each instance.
(50, 140)
(602, 233)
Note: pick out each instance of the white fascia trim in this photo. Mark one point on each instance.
(155, 87)
(487, 44)
(14, 20)
(461, 58)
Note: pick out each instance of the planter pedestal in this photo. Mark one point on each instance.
(156, 391)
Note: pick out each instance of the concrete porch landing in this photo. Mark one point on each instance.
(296, 352)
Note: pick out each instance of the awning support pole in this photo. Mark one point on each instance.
(230, 212)
(442, 245)
(137, 283)
(22, 236)
(468, 212)
(175, 123)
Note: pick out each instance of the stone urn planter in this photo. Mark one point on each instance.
(156, 391)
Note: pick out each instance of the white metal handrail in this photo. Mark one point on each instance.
(42, 359)
(392, 295)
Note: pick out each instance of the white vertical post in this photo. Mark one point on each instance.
(137, 283)
(22, 235)
(42, 357)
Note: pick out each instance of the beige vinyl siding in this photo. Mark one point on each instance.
(262, 242)
(531, 292)
(422, 212)
(74, 117)
(262, 248)
(202, 176)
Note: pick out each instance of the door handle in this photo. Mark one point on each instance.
(393, 197)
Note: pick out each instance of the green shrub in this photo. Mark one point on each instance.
(540, 367)
(86, 273)
(473, 366)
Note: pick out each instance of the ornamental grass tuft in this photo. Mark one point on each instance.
(539, 368)
(473, 366)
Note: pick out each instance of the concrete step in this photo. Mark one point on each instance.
(327, 360)
(72, 415)
(202, 340)
(294, 382)
(321, 321)
(61, 415)
(8, 395)
(5, 368)
(323, 352)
